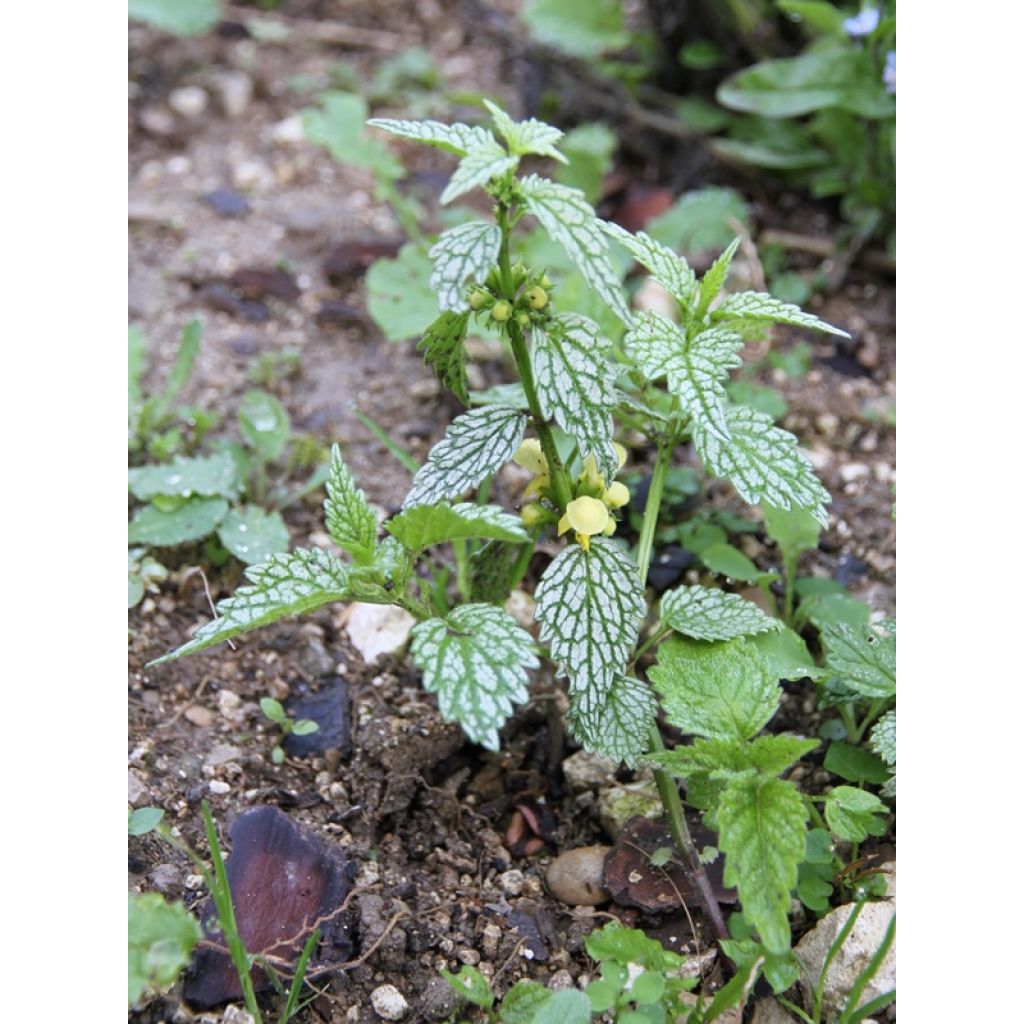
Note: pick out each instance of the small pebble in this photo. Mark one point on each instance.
(468, 956)
(234, 90)
(228, 702)
(219, 788)
(136, 788)
(190, 101)
(853, 471)
(236, 1015)
(560, 981)
(193, 882)
(511, 882)
(389, 1003)
(289, 130)
(577, 876)
(198, 715)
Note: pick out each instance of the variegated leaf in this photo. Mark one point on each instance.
(711, 283)
(475, 660)
(589, 606)
(861, 659)
(477, 443)
(453, 138)
(695, 367)
(351, 522)
(576, 384)
(668, 268)
(759, 306)
(443, 349)
(484, 161)
(708, 614)
(469, 250)
(570, 220)
(619, 727)
(525, 137)
(762, 462)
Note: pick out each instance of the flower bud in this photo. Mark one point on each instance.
(530, 456)
(523, 319)
(501, 311)
(616, 495)
(537, 297)
(532, 515)
(479, 298)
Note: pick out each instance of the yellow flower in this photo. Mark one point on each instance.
(587, 516)
(617, 495)
(530, 456)
(621, 452)
(590, 475)
(531, 515)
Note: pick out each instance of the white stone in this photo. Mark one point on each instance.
(236, 1015)
(219, 788)
(853, 471)
(856, 952)
(190, 101)
(376, 629)
(136, 788)
(234, 90)
(584, 770)
(290, 130)
(389, 1003)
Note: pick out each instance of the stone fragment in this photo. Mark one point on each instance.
(576, 877)
(376, 629)
(389, 1003)
(584, 770)
(190, 101)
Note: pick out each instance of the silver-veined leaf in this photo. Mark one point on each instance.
(861, 659)
(469, 250)
(475, 660)
(708, 614)
(759, 306)
(589, 606)
(484, 161)
(287, 585)
(619, 726)
(883, 738)
(711, 283)
(570, 220)
(452, 138)
(423, 525)
(722, 690)
(443, 350)
(762, 829)
(576, 384)
(695, 367)
(477, 443)
(351, 522)
(525, 137)
(668, 268)
(762, 462)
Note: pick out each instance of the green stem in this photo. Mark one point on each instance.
(790, 570)
(462, 577)
(667, 788)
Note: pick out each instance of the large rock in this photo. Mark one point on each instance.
(856, 952)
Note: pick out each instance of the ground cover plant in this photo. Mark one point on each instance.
(709, 660)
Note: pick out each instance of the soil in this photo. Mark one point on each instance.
(421, 814)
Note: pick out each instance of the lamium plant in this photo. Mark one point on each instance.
(718, 657)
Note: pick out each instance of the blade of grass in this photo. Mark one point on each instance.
(386, 439)
(300, 972)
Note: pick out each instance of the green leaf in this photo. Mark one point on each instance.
(576, 385)
(760, 307)
(787, 655)
(471, 985)
(582, 28)
(398, 293)
(854, 814)
(769, 755)
(862, 659)
(883, 738)
(182, 17)
(729, 561)
(714, 279)
(707, 614)
(210, 476)
(524, 137)
(522, 1001)
(794, 530)
(570, 220)
(619, 726)
(475, 660)
(484, 161)
(589, 606)
(143, 820)
(476, 444)
(648, 987)
(817, 14)
(273, 709)
(762, 462)
(762, 831)
(339, 126)
(772, 755)
(181, 370)
(630, 946)
(567, 1006)
(721, 690)
(424, 525)
(288, 584)
(253, 534)
(701, 221)
(443, 350)
(855, 764)
(467, 251)
(455, 138)
(695, 367)
(161, 937)
(824, 610)
(815, 893)
(264, 423)
(193, 520)
(351, 522)
(305, 727)
(669, 269)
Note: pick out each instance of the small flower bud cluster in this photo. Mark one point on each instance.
(530, 306)
(589, 513)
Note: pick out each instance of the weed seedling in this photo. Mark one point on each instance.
(274, 710)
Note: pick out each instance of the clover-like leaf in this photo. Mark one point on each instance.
(764, 308)
(455, 138)
(570, 220)
(695, 367)
(619, 726)
(576, 385)
(762, 826)
(208, 476)
(668, 268)
(589, 606)
(476, 443)
(708, 614)
(720, 690)
(351, 522)
(443, 349)
(469, 250)
(423, 525)
(524, 137)
(483, 161)
(161, 937)
(854, 814)
(861, 659)
(288, 584)
(475, 660)
(762, 462)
